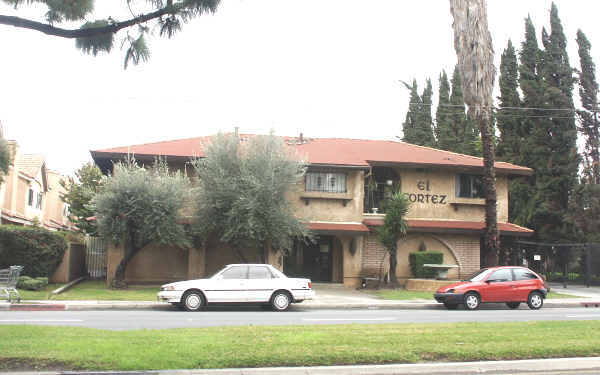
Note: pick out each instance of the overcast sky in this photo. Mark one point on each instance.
(326, 68)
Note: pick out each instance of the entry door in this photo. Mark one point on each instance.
(317, 260)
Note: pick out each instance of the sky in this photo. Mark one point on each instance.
(324, 68)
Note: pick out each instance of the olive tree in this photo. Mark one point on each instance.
(394, 228)
(140, 205)
(242, 189)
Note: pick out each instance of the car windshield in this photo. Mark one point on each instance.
(479, 275)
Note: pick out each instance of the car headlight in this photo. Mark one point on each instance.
(167, 287)
(450, 291)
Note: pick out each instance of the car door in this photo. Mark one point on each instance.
(498, 286)
(525, 282)
(261, 284)
(229, 286)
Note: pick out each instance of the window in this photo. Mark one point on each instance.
(30, 198)
(238, 272)
(469, 186)
(259, 273)
(522, 274)
(501, 275)
(326, 182)
(38, 202)
(66, 210)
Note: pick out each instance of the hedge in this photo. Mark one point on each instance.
(39, 250)
(417, 260)
(27, 283)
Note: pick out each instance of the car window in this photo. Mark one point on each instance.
(237, 272)
(259, 273)
(503, 274)
(523, 274)
(479, 275)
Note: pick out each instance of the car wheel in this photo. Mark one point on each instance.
(535, 300)
(280, 301)
(451, 306)
(193, 301)
(472, 301)
(513, 305)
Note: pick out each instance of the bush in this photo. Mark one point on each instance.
(39, 250)
(417, 260)
(28, 283)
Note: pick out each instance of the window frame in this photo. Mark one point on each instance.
(472, 186)
(321, 181)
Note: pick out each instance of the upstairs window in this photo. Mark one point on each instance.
(469, 186)
(326, 182)
(38, 201)
(30, 198)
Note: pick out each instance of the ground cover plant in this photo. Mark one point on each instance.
(254, 346)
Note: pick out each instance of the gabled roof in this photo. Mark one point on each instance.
(339, 152)
(30, 164)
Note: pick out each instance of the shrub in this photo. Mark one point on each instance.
(417, 260)
(28, 283)
(39, 250)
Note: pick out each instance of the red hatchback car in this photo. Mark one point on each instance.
(509, 284)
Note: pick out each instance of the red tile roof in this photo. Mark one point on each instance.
(329, 151)
(338, 227)
(455, 225)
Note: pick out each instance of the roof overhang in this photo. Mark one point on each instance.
(464, 168)
(456, 227)
(323, 227)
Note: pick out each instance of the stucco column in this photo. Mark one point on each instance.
(352, 261)
(114, 254)
(196, 263)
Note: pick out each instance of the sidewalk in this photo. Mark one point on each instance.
(531, 366)
(329, 296)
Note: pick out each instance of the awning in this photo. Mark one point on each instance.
(322, 226)
(456, 226)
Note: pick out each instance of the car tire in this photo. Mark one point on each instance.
(513, 305)
(472, 301)
(280, 301)
(193, 301)
(535, 301)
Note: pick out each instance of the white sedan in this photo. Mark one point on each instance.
(250, 283)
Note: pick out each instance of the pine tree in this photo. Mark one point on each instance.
(553, 146)
(425, 120)
(95, 36)
(588, 116)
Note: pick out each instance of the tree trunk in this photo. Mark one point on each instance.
(393, 264)
(266, 250)
(473, 45)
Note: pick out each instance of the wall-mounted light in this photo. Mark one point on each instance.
(389, 182)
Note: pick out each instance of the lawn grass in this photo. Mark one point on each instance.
(94, 290)
(256, 346)
(402, 294)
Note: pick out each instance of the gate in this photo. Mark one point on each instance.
(95, 257)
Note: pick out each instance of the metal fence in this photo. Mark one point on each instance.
(95, 257)
(560, 262)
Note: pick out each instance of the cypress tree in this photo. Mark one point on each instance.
(588, 115)
(509, 123)
(443, 133)
(553, 147)
(410, 127)
(425, 121)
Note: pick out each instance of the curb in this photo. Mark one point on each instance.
(167, 307)
(515, 366)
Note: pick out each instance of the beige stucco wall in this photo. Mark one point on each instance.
(325, 206)
(72, 265)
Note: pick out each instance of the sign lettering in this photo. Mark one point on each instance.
(425, 198)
